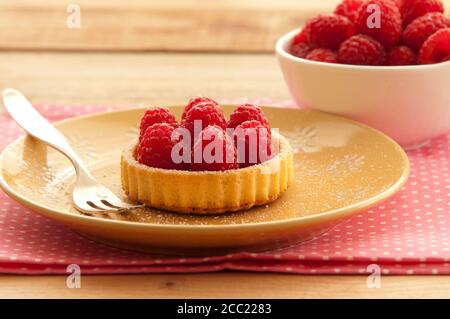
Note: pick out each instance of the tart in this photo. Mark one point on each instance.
(183, 189)
(206, 192)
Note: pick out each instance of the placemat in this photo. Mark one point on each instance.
(407, 234)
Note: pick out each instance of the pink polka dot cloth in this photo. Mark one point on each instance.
(407, 234)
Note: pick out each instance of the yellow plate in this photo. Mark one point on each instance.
(341, 167)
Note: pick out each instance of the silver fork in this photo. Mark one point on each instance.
(89, 196)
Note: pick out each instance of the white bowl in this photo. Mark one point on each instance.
(409, 103)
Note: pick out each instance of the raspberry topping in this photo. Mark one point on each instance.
(252, 141)
(155, 147)
(195, 101)
(349, 9)
(421, 28)
(156, 115)
(247, 112)
(328, 31)
(361, 50)
(214, 151)
(300, 46)
(436, 48)
(389, 30)
(201, 116)
(401, 55)
(201, 142)
(322, 55)
(412, 9)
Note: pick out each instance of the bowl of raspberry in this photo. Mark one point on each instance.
(385, 63)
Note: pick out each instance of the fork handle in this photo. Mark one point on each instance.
(36, 125)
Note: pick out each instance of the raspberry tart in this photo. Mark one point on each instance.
(206, 164)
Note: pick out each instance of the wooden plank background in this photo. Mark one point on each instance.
(175, 25)
(154, 25)
(139, 79)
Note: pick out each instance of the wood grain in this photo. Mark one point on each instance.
(224, 285)
(176, 25)
(139, 79)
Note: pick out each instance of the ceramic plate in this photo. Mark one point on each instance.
(341, 168)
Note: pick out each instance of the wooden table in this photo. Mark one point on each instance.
(161, 53)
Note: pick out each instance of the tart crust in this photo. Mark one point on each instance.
(208, 192)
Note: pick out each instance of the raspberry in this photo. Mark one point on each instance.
(300, 46)
(300, 37)
(398, 3)
(156, 115)
(412, 9)
(421, 28)
(208, 114)
(204, 157)
(155, 148)
(322, 55)
(390, 30)
(328, 31)
(349, 9)
(436, 48)
(199, 100)
(401, 55)
(252, 141)
(361, 50)
(247, 112)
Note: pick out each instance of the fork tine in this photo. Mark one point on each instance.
(108, 204)
(121, 205)
(111, 200)
(105, 207)
(96, 198)
(101, 206)
(85, 208)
